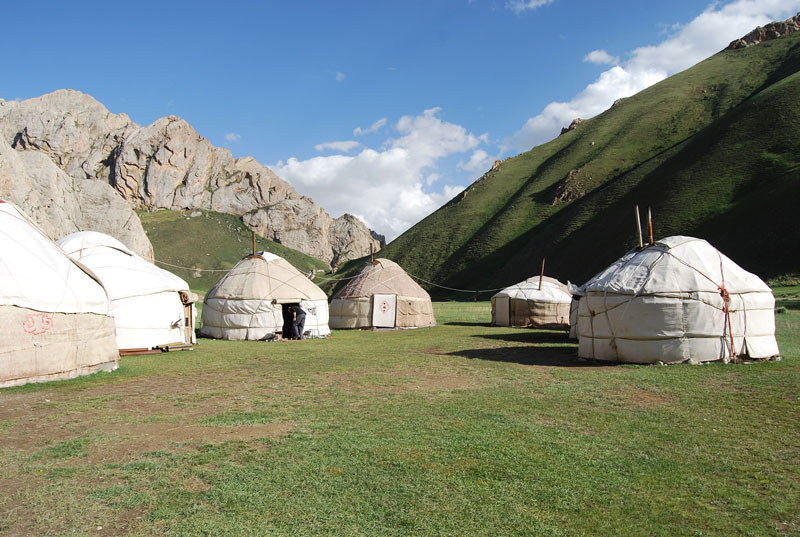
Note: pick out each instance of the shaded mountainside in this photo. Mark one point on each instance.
(714, 150)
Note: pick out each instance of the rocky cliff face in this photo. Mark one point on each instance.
(59, 202)
(168, 165)
(772, 30)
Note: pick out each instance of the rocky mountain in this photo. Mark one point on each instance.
(58, 202)
(168, 165)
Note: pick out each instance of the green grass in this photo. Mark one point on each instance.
(210, 244)
(459, 429)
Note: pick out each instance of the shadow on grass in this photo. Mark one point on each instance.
(549, 355)
(465, 323)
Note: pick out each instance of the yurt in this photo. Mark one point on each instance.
(677, 300)
(382, 295)
(247, 302)
(151, 306)
(55, 313)
(535, 303)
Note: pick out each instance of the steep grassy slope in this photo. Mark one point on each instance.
(212, 243)
(714, 151)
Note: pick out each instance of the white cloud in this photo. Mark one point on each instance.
(390, 188)
(706, 34)
(518, 6)
(478, 161)
(358, 131)
(339, 76)
(344, 146)
(233, 137)
(601, 57)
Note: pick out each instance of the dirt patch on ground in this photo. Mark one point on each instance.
(128, 442)
(644, 399)
(399, 381)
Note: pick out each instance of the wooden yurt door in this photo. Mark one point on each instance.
(384, 311)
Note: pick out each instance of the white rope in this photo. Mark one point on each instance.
(190, 268)
(473, 291)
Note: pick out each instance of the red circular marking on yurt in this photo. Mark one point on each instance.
(384, 306)
(37, 323)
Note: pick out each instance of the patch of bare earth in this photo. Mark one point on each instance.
(644, 399)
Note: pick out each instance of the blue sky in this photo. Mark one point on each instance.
(383, 109)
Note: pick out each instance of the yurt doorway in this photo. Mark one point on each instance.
(384, 311)
(503, 311)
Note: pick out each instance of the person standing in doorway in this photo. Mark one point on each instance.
(298, 321)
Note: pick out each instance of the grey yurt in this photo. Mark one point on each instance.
(382, 295)
(538, 302)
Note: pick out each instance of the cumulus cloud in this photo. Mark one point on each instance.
(390, 189)
(518, 6)
(375, 127)
(233, 137)
(478, 161)
(339, 76)
(601, 57)
(706, 34)
(344, 146)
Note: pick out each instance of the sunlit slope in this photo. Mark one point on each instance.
(713, 150)
(211, 244)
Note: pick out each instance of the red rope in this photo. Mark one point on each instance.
(726, 300)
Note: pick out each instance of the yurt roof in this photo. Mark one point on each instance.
(37, 274)
(552, 290)
(266, 276)
(674, 265)
(383, 277)
(122, 272)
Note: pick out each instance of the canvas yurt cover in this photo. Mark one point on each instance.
(524, 304)
(54, 312)
(151, 306)
(247, 302)
(382, 296)
(678, 300)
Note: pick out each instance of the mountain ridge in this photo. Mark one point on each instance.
(168, 165)
(571, 200)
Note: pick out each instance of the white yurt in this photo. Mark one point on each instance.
(678, 300)
(55, 313)
(151, 306)
(533, 303)
(382, 295)
(247, 302)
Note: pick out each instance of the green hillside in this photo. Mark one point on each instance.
(714, 150)
(210, 244)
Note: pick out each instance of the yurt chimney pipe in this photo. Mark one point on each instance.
(541, 275)
(650, 223)
(639, 226)
(254, 242)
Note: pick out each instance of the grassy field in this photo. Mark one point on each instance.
(211, 244)
(460, 429)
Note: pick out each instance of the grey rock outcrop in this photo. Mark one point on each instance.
(61, 204)
(773, 30)
(168, 165)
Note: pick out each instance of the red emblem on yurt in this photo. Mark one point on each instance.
(37, 323)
